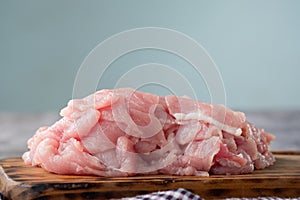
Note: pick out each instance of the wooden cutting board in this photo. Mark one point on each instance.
(19, 181)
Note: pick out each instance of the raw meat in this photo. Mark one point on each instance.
(124, 132)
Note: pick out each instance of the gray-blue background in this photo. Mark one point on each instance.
(255, 44)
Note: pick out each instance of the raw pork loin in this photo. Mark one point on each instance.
(124, 132)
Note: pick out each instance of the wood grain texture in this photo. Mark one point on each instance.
(19, 181)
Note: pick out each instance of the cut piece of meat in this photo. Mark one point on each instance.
(124, 132)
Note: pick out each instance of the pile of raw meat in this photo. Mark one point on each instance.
(124, 132)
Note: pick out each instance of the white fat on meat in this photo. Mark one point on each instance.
(199, 116)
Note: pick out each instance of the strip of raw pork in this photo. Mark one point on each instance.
(124, 132)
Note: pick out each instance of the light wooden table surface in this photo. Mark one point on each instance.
(17, 128)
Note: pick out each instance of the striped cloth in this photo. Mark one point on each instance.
(179, 194)
(183, 194)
